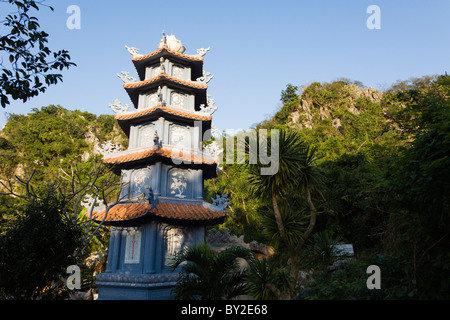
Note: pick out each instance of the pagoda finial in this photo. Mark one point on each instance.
(163, 41)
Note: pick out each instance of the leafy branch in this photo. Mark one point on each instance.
(29, 64)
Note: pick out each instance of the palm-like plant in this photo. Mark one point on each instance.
(266, 281)
(296, 171)
(209, 275)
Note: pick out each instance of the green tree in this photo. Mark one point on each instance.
(53, 137)
(266, 280)
(290, 94)
(290, 100)
(418, 187)
(296, 171)
(37, 248)
(27, 64)
(209, 275)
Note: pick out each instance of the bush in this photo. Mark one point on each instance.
(37, 249)
(350, 281)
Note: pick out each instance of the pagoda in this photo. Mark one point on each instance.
(161, 209)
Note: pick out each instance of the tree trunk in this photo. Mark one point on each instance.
(295, 259)
(295, 253)
(279, 220)
(312, 221)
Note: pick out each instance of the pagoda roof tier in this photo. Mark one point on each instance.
(179, 154)
(181, 157)
(124, 119)
(134, 88)
(140, 61)
(166, 208)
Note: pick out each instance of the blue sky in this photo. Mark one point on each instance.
(257, 47)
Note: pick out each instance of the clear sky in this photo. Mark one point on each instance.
(257, 47)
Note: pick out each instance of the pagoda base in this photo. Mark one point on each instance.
(135, 286)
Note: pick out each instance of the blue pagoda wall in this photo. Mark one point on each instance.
(143, 273)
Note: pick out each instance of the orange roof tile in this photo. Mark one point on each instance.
(173, 153)
(141, 113)
(164, 75)
(164, 47)
(180, 211)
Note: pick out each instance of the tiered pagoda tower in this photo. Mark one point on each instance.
(161, 210)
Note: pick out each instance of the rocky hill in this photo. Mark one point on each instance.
(48, 137)
(337, 118)
(311, 111)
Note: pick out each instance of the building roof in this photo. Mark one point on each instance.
(134, 88)
(163, 76)
(141, 61)
(167, 49)
(173, 210)
(179, 154)
(177, 112)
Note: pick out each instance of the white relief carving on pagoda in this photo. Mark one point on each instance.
(178, 183)
(147, 135)
(177, 135)
(141, 181)
(178, 72)
(177, 100)
(175, 243)
(152, 99)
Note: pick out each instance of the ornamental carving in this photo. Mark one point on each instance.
(133, 51)
(175, 243)
(126, 78)
(177, 135)
(178, 183)
(210, 108)
(178, 72)
(177, 100)
(156, 71)
(202, 51)
(147, 135)
(140, 182)
(118, 108)
(205, 78)
(152, 99)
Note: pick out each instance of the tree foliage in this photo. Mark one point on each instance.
(28, 65)
(209, 275)
(36, 249)
(52, 137)
(385, 183)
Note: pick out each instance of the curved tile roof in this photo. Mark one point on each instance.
(173, 153)
(177, 211)
(142, 83)
(140, 113)
(166, 48)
